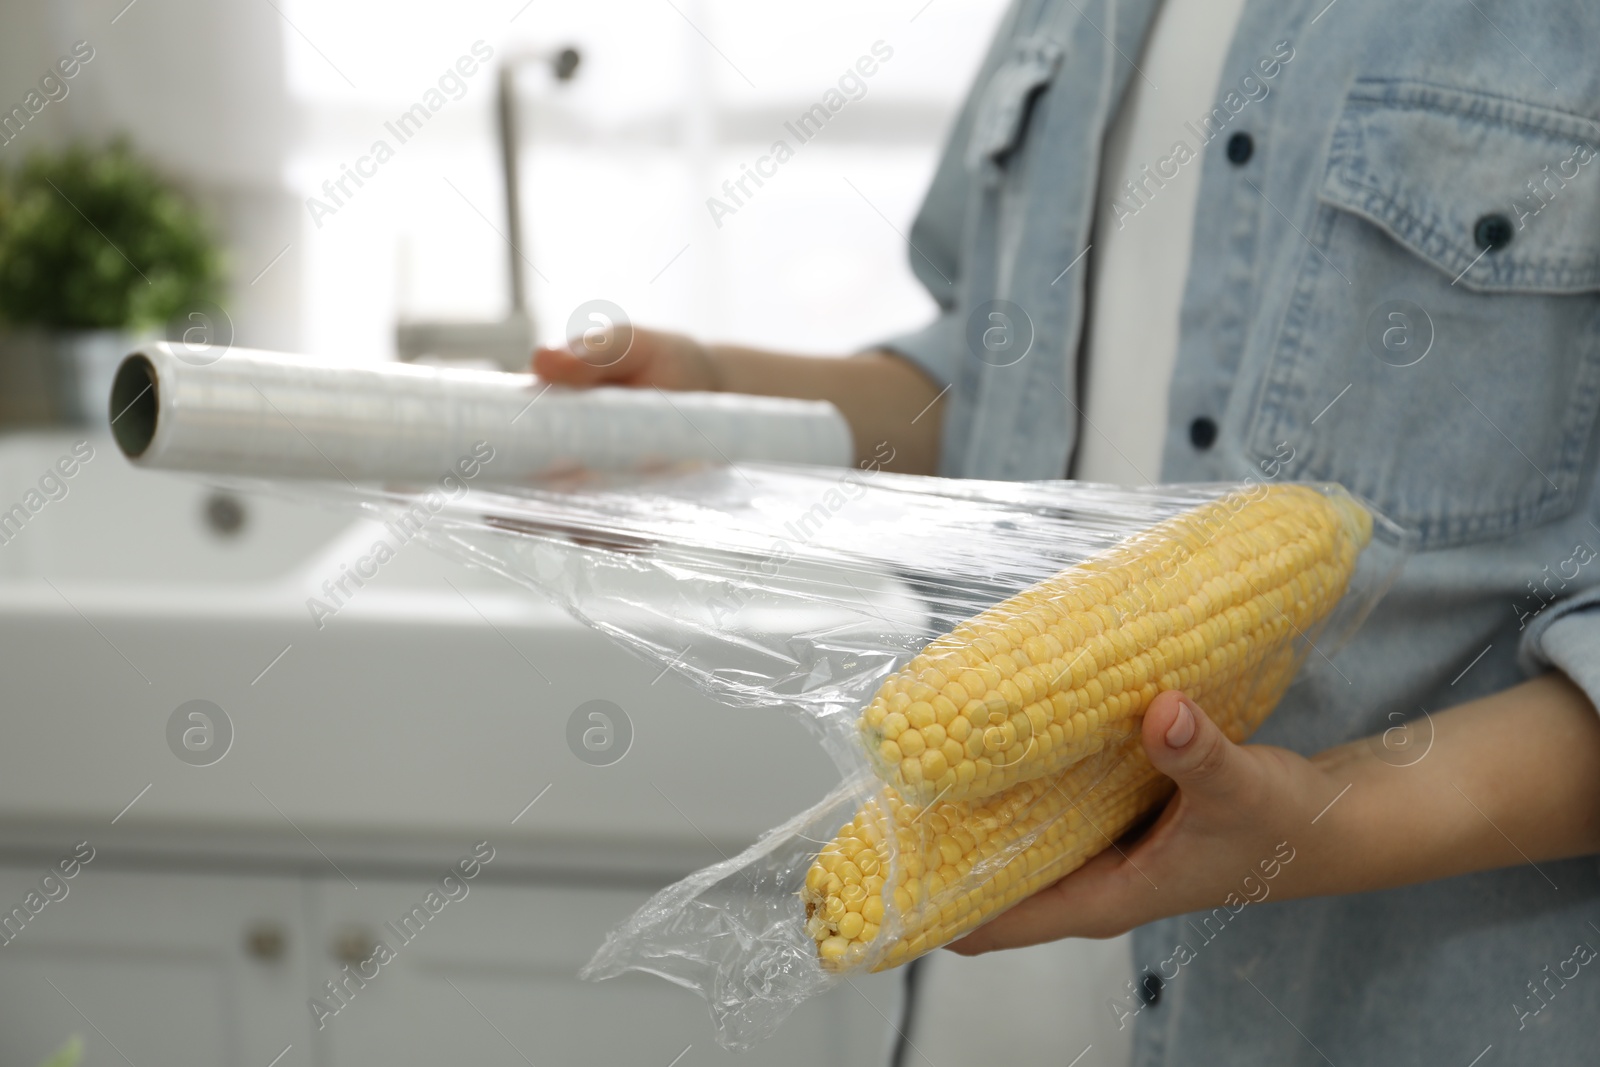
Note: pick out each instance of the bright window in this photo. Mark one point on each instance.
(672, 99)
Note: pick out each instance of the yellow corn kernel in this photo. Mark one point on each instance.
(833, 949)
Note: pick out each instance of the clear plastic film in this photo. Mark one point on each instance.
(1017, 629)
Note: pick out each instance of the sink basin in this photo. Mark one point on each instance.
(435, 702)
(115, 525)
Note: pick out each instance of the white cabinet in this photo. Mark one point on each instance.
(156, 970)
(492, 979)
(207, 970)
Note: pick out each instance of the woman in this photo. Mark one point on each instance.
(1391, 220)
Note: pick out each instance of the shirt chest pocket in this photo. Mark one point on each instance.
(1001, 120)
(1440, 349)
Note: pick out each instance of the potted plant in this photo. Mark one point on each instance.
(96, 251)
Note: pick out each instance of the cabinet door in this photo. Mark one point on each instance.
(155, 969)
(492, 979)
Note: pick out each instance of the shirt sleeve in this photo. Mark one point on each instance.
(935, 348)
(1566, 636)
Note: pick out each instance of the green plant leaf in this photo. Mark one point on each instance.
(68, 1055)
(96, 239)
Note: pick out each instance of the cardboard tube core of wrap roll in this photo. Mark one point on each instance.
(271, 415)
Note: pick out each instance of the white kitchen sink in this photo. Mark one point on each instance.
(435, 702)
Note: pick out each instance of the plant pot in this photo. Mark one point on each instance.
(59, 377)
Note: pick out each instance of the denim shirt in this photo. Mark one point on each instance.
(1394, 288)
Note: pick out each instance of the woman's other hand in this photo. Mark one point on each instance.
(630, 355)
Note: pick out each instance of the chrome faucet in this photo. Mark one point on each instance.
(509, 341)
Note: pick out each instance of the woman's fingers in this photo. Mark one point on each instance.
(629, 355)
(1100, 899)
(609, 355)
(1170, 868)
(563, 367)
(560, 366)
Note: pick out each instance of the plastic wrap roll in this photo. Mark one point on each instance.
(267, 414)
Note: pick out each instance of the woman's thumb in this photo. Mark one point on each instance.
(1189, 748)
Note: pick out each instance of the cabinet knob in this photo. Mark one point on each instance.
(266, 941)
(354, 945)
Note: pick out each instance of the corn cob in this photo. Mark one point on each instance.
(954, 865)
(1034, 684)
(918, 867)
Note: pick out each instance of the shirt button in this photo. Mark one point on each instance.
(1202, 433)
(1492, 232)
(1150, 987)
(1241, 146)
